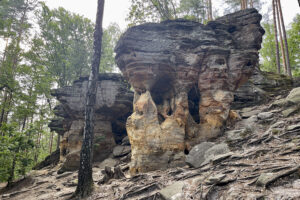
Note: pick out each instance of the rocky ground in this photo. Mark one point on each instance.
(258, 157)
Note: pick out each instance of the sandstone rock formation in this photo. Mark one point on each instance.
(113, 106)
(184, 74)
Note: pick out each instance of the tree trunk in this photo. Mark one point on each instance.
(251, 4)
(289, 72)
(209, 10)
(276, 37)
(38, 141)
(11, 173)
(24, 124)
(51, 142)
(281, 39)
(58, 142)
(85, 176)
(3, 107)
(242, 4)
(7, 107)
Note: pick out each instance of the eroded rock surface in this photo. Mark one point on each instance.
(184, 74)
(113, 106)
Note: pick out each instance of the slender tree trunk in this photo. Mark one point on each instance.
(244, 4)
(276, 37)
(58, 142)
(281, 39)
(289, 72)
(251, 4)
(174, 9)
(167, 11)
(24, 124)
(209, 6)
(7, 107)
(38, 141)
(11, 173)
(85, 174)
(51, 142)
(5, 50)
(3, 107)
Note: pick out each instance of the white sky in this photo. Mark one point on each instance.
(117, 10)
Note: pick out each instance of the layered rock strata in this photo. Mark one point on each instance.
(184, 74)
(261, 88)
(113, 106)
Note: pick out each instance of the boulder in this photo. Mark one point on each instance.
(291, 104)
(52, 159)
(205, 152)
(173, 192)
(197, 155)
(121, 150)
(184, 74)
(294, 96)
(215, 151)
(109, 162)
(125, 141)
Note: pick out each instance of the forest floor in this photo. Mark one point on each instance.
(263, 163)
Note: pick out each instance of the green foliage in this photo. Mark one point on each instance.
(268, 50)
(35, 59)
(195, 10)
(15, 147)
(142, 11)
(294, 45)
(110, 38)
(158, 10)
(67, 44)
(235, 5)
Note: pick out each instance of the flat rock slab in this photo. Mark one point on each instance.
(293, 127)
(120, 151)
(173, 192)
(265, 115)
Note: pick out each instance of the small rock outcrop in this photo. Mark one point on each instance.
(206, 152)
(291, 104)
(113, 106)
(261, 88)
(184, 74)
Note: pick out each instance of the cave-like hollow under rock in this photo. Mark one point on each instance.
(184, 74)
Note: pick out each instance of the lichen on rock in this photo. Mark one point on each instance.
(184, 74)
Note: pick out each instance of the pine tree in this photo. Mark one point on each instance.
(288, 66)
(85, 174)
(209, 8)
(275, 36)
(281, 38)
